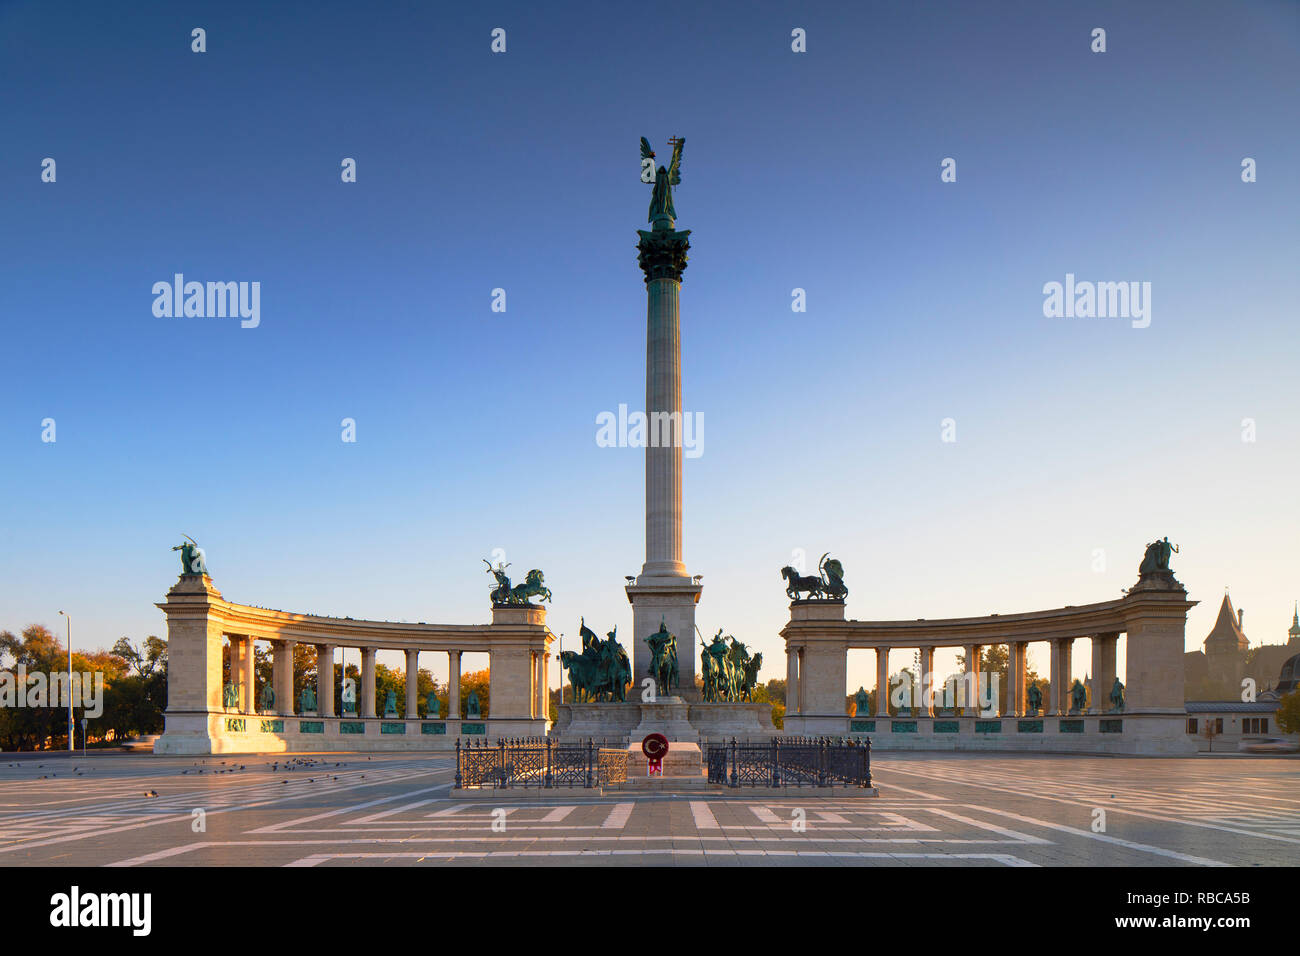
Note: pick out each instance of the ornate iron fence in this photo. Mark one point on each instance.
(791, 761)
(537, 762)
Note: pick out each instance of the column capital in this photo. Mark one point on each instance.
(662, 253)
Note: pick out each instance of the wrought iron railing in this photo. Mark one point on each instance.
(790, 761)
(537, 762)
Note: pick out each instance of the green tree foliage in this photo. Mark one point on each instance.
(135, 689)
(996, 659)
(476, 681)
(773, 692)
(304, 671)
(134, 702)
(1288, 713)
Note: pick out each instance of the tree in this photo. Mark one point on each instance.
(304, 671)
(995, 659)
(773, 692)
(426, 685)
(1288, 713)
(475, 682)
(135, 701)
(134, 681)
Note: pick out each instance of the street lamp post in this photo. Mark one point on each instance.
(72, 726)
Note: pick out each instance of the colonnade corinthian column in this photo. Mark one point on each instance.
(664, 592)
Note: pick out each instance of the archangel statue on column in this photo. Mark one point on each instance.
(661, 200)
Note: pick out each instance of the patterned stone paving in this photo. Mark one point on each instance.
(984, 810)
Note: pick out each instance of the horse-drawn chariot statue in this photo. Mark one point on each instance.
(827, 584)
(505, 595)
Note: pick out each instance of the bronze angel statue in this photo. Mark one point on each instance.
(661, 200)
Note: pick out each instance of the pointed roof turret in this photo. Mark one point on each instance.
(1293, 632)
(1226, 633)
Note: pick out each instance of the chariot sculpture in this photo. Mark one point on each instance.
(504, 594)
(827, 584)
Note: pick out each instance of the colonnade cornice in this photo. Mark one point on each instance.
(266, 624)
(1063, 623)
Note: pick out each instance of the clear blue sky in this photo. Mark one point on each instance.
(476, 430)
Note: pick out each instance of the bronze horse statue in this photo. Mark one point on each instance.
(795, 582)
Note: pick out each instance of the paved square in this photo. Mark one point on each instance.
(934, 810)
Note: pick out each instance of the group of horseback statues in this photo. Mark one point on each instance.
(730, 671)
(602, 671)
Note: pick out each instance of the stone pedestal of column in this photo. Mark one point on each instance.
(669, 716)
(671, 601)
(817, 629)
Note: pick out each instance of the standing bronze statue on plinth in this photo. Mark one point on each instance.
(663, 660)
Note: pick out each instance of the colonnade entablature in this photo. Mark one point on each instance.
(205, 716)
(1145, 714)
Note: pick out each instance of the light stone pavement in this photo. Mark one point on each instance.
(985, 810)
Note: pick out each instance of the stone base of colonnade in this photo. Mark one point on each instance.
(232, 733)
(678, 719)
(1146, 734)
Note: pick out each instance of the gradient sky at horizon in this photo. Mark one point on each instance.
(476, 430)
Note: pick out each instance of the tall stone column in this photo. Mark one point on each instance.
(1154, 653)
(1067, 669)
(800, 702)
(816, 629)
(453, 685)
(882, 682)
(412, 683)
(1062, 664)
(367, 682)
(664, 591)
(194, 674)
(249, 677)
(926, 704)
(539, 686)
(236, 645)
(1103, 670)
(282, 679)
(970, 705)
(1016, 689)
(545, 690)
(792, 680)
(325, 679)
